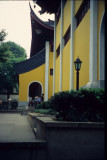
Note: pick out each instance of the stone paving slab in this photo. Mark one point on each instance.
(15, 128)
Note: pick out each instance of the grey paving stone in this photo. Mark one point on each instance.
(15, 128)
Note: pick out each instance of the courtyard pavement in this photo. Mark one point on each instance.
(15, 128)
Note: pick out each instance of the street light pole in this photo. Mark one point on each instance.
(77, 85)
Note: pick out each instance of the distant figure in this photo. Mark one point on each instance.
(39, 100)
(9, 103)
(42, 98)
(36, 101)
(30, 101)
(33, 102)
(0, 103)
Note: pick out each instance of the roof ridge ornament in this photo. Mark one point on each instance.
(42, 11)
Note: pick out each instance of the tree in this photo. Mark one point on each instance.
(4, 52)
(16, 49)
(8, 57)
(4, 48)
(3, 35)
(8, 76)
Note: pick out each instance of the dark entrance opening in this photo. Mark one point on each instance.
(35, 89)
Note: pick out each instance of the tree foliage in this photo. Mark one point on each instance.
(16, 49)
(10, 53)
(2, 35)
(4, 48)
(4, 52)
(8, 75)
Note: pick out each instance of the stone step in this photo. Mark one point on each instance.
(36, 144)
(23, 150)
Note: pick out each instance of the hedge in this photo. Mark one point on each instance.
(83, 105)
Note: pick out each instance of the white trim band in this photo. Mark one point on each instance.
(72, 45)
(46, 70)
(54, 56)
(93, 41)
(61, 45)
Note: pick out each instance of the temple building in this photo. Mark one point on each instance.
(78, 31)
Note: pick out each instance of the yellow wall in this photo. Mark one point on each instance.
(58, 28)
(50, 88)
(25, 79)
(77, 5)
(101, 9)
(81, 49)
(66, 67)
(57, 74)
(67, 16)
(81, 46)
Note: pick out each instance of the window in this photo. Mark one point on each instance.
(82, 11)
(58, 51)
(51, 71)
(51, 47)
(67, 36)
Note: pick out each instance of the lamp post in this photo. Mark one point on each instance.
(77, 68)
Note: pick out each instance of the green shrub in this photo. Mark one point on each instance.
(44, 111)
(82, 105)
(44, 105)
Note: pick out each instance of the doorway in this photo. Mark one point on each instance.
(35, 89)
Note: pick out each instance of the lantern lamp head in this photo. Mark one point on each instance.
(78, 64)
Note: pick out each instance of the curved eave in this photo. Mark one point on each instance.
(31, 63)
(41, 32)
(50, 6)
(39, 39)
(39, 21)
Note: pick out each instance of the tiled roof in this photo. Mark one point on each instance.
(31, 63)
(49, 23)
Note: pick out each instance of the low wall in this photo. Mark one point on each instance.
(32, 118)
(71, 140)
(22, 104)
(32, 121)
(12, 96)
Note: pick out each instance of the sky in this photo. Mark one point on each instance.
(15, 19)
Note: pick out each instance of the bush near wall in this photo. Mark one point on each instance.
(83, 105)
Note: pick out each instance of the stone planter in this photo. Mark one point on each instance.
(32, 118)
(71, 140)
